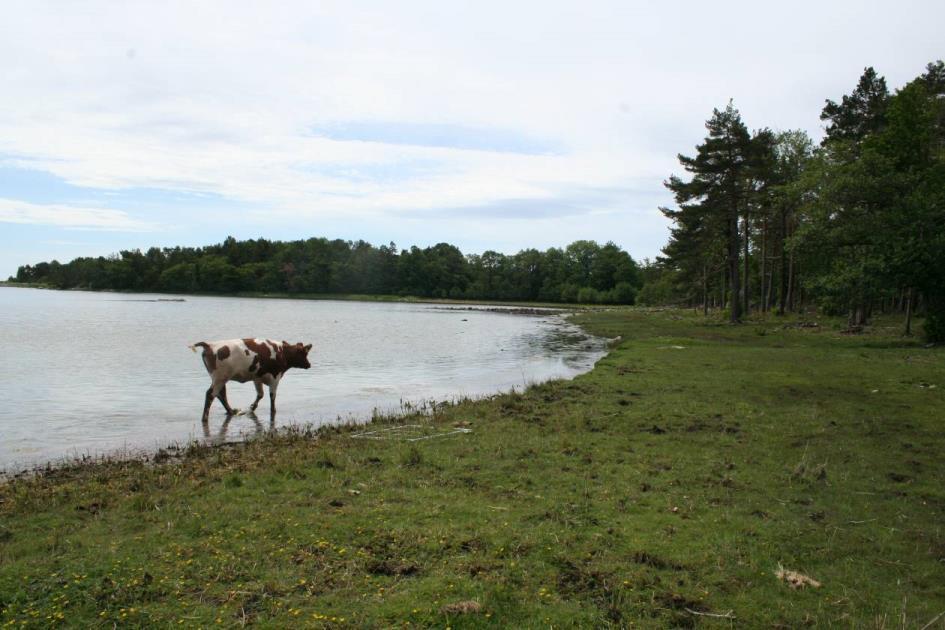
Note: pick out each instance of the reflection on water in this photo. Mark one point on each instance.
(90, 373)
(220, 436)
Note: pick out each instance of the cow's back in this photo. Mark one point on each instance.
(242, 359)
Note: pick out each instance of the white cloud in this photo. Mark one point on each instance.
(222, 97)
(13, 211)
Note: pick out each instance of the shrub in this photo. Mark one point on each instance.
(623, 293)
(588, 295)
(934, 327)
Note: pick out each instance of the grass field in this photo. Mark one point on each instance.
(666, 486)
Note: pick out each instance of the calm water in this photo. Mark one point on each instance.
(92, 373)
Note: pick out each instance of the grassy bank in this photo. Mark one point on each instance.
(665, 486)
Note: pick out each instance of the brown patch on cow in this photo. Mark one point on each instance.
(268, 364)
(261, 349)
(209, 359)
(223, 353)
(255, 364)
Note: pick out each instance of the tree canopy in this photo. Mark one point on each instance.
(584, 271)
(850, 226)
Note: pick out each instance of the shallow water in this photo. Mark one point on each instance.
(93, 373)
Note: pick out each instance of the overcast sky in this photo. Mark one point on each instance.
(489, 125)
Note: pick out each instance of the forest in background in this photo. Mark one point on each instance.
(769, 221)
(765, 221)
(584, 271)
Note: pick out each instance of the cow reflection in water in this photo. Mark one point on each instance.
(262, 361)
(245, 432)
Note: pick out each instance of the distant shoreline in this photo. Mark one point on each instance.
(342, 297)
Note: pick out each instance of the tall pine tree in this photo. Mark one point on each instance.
(715, 198)
(858, 114)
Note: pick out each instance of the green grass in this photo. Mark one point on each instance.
(679, 474)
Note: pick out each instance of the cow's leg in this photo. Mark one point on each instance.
(259, 394)
(208, 400)
(273, 386)
(221, 437)
(226, 405)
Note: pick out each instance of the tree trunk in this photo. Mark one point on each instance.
(790, 282)
(858, 314)
(745, 289)
(782, 294)
(764, 266)
(909, 312)
(769, 296)
(723, 284)
(735, 313)
(705, 290)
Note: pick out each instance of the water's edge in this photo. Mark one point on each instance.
(176, 449)
(327, 297)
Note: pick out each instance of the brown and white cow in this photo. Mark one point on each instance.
(262, 361)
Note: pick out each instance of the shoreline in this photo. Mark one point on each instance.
(421, 408)
(340, 297)
(174, 452)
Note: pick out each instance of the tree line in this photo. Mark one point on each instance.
(768, 221)
(764, 221)
(584, 271)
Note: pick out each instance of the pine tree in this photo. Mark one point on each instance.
(793, 152)
(860, 113)
(712, 202)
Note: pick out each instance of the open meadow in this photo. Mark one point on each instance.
(663, 489)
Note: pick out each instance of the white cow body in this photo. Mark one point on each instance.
(262, 361)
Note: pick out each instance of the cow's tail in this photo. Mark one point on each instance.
(205, 345)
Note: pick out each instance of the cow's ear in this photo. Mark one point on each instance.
(308, 347)
(284, 342)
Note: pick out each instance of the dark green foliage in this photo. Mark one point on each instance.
(860, 113)
(874, 210)
(852, 227)
(727, 168)
(935, 319)
(659, 287)
(583, 272)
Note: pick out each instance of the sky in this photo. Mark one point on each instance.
(488, 125)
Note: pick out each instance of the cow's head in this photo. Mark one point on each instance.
(296, 354)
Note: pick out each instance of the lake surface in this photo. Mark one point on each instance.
(94, 373)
